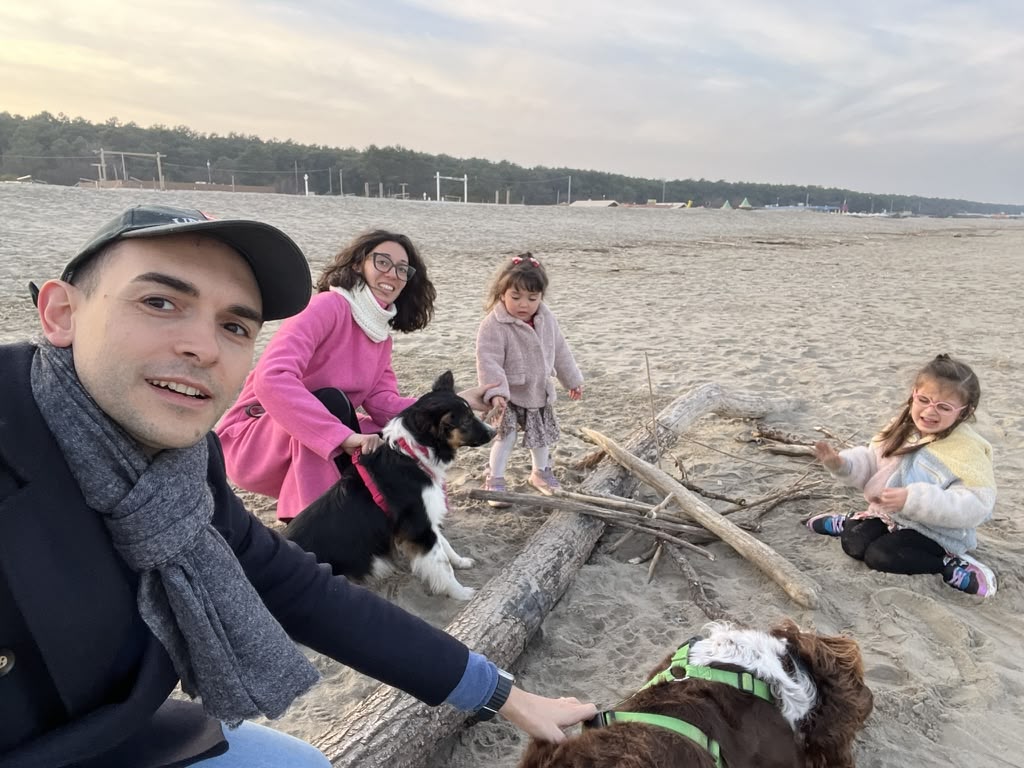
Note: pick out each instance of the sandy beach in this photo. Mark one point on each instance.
(837, 312)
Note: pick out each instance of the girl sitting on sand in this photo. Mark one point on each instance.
(520, 346)
(928, 481)
(295, 424)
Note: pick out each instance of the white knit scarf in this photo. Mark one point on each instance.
(367, 311)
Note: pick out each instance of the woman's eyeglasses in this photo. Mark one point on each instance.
(944, 408)
(384, 264)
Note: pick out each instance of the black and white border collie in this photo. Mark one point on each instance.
(395, 497)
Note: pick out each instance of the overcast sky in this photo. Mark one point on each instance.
(905, 96)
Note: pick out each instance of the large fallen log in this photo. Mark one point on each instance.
(390, 728)
(783, 572)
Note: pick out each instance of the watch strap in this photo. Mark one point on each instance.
(498, 698)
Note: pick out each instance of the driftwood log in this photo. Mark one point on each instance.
(390, 728)
(783, 572)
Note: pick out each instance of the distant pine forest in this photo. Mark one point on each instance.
(56, 149)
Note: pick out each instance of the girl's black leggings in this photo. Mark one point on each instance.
(901, 551)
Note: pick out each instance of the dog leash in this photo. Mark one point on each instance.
(369, 482)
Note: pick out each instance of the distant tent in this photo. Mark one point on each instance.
(727, 206)
(746, 204)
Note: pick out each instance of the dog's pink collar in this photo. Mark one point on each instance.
(412, 450)
(422, 455)
(418, 452)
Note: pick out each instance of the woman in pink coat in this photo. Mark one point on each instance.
(295, 423)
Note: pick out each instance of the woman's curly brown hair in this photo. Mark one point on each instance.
(414, 305)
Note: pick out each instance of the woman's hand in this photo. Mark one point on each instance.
(544, 718)
(475, 396)
(827, 455)
(362, 443)
(576, 393)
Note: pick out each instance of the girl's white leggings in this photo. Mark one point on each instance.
(501, 449)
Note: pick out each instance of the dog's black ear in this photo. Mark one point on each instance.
(445, 383)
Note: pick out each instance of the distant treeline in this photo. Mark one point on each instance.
(61, 150)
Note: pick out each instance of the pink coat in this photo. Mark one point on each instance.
(289, 451)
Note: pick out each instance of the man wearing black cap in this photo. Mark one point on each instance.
(126, 562)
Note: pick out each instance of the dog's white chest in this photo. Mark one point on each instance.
(435, 503)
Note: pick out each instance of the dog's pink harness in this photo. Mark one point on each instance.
(414, 451)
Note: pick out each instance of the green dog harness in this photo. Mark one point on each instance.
(679, 668)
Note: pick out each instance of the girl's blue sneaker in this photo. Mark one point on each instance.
(965, 573)
(827, 524)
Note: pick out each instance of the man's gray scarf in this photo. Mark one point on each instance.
(193, 594)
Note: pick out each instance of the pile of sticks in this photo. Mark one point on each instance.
(391, 729)
(671, 522)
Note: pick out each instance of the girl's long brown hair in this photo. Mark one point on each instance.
(414, 305)
(948, 374)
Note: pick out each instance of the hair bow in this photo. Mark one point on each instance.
(520, 259)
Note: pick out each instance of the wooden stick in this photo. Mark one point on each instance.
(843, 440)
(735, 456)
(705, 492)
(654, 416)
(622, 540)
(662, 536)
(646, 555)
(780, 570)
(654, 526)
(652, 512)
(780, 435)
(654, 562)
(784, 449)
(567, 505)
(767, 508)
(711, 607)
(604, 501)
(774, 495)
(589, 460)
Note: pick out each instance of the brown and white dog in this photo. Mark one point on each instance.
(820, 703)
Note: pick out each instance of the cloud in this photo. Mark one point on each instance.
(868, 96)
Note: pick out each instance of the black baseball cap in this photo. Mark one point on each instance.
(280, 267)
